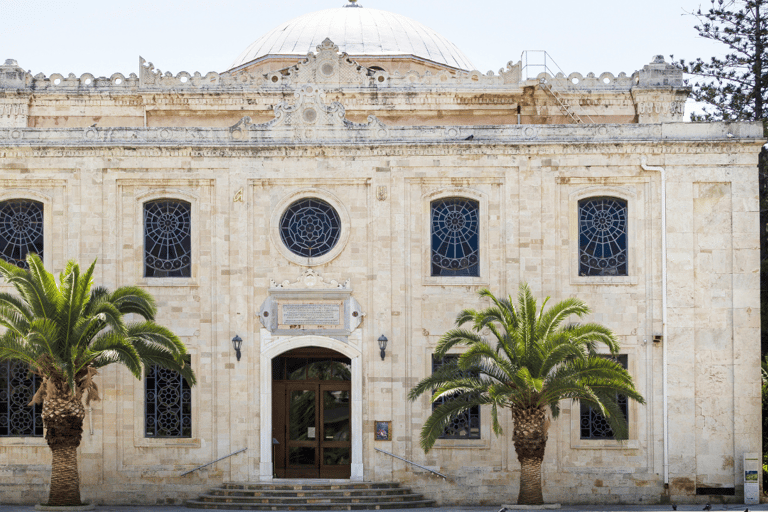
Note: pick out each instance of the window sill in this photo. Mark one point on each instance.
(604, 280)
(167, 442)
(455, 281)
(450, 444)
(169, 282)
(23, 441)
(605, 444)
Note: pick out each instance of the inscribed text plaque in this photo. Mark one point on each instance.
(310, 314)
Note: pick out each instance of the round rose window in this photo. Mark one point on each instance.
(310, 227)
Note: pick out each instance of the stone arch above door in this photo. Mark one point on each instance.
(284, 344)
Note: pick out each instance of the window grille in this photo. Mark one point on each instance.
(17, 387)
(593, 423)
(466, 424)
(21, 230)
(455, 237)
(603, 237)
(310, 227)
(168, 404)
(167, 239)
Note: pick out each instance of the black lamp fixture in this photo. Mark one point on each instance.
(237, 342)
(383, 345)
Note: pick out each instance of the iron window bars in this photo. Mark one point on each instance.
(17, 387)
(466, 424)
(167, 239)
(593, 423)
(310, 227)
(21, 230)
(167, 404)
(602, 237)
(455, 237)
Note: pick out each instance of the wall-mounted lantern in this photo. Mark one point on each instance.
(383, 345)
(237, 342)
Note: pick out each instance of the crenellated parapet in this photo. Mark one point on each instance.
(654, 94)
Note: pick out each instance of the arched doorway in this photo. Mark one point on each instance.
(311, 413)
(282, 345)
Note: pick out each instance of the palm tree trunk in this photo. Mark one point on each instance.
(530, 439)
(65, 479)
(530, 482)
(63, 420)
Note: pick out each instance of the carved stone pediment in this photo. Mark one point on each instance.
(328, 68)
(310, 118)
(310, 305)
(310, 279)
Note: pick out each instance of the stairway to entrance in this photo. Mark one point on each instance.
(310, 495)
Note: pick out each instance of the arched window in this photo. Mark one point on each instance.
(167, 238)
(310, 227)
(602, 237)
(21, 230)
(455, 237)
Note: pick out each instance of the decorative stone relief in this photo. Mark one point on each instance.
(311, 305)
(14, 113)
(327, 67)
(309, 118)
(310, 279)
(659, 106)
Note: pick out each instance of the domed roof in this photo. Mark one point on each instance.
(357, 31)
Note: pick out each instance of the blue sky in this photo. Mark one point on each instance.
(103, 37)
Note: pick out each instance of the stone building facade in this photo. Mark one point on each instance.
(300, 203)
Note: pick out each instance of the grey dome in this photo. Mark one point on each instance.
(356, 31)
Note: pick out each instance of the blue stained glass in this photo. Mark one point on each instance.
(603, 237)
(455, 237)
(21, 230)
(167, 239)
(310, 227)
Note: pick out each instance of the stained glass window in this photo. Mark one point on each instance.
(310, 227)
(602, 237)
(593, 423)
(17, 387)
(455, 237)
(167, 239)
(465, 425)
(168, 404)
(21, 230)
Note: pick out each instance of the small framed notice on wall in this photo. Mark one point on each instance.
(383, 430)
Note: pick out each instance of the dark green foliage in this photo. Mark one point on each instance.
(735, 87)
(525, 357)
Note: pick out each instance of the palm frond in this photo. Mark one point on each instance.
(131, 299)
(535, 361)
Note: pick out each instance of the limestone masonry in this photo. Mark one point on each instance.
(311, 204)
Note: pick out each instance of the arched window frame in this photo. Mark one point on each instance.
(482, 214)
(46, 201)
(309, 193)
(634, 208)
(137, 270)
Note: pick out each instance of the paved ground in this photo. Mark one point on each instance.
(580, 508)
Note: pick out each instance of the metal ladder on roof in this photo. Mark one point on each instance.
(544, 62)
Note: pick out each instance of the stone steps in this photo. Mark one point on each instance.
(308, 495)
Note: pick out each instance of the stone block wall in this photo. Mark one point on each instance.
(528, 196)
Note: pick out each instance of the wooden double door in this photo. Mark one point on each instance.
(311, 427)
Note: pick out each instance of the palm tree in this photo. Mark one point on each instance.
(65, 332)
(535, 362)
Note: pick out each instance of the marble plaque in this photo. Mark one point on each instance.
(311, 314)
